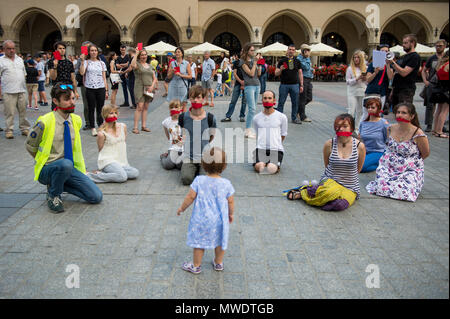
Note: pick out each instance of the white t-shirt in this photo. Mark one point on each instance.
(94, 74)
(219, 78)
(41, 67)
(269, 129)
(175, 134)
(193, 68)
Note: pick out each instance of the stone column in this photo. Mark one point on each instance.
(256, 37)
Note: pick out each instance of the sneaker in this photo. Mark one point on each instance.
(307, 120)
(9, 135)
(85, 128)
(429, 128)
(249, 134)
(29, 107)
(44, 104)
(217, 267)
(242, 119)
(297, 121)
(94, 132)
(190, 267)
(227, 119)
(25, 132)
(36, 108)
(124, 104)
(445, 130)
(55, 204)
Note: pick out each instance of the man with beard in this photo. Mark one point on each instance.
(406, 69)
(55, 145)
(271, 129)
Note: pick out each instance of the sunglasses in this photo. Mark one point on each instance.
(65, 86)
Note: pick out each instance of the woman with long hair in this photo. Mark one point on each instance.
(93, 71)
(251, 73)
(373, 132)
(180, 73)
(356, 85)
(112, 57)
(400, 173)
(441, 97)
(144, 85)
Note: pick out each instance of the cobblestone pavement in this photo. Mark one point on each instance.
(132, 244)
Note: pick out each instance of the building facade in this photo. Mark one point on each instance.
(347, 25)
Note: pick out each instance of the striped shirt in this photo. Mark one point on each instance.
(343, 171)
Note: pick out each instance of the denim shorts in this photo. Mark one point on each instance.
(41, 86)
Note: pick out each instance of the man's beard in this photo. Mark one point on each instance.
(406, 50)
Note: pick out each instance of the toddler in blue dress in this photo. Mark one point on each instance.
(213, 211)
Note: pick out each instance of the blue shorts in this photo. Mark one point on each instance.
(41, 86)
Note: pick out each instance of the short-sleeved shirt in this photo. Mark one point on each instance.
(40, 66)
(248, 80)
(374, 135)
(12, 75)
(175, 134)
(408, 82)
(32, 75)
(196, 143)
(209, 224)
(289, 75)
(374, 87)
(94, 74)
(208, 68)
(122, 60)
(238, 69)
(64, 70)
(306, 66)
(269, 129)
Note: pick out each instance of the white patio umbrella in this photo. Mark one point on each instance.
(321, 49)
(274, 49)
(160, 48)
(421, 49)
(204, 47)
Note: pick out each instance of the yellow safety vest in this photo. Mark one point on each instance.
(45, 146)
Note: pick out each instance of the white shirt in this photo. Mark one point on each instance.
(355, 88)
(94, 74)
(193, 68)
(12, 75)
(219, 78)
(114, 150)
(41, 67)
(269, 129)
(175, 134)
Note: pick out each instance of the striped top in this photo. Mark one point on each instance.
(343, 171)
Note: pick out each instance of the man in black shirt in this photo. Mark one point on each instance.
(291, 75)
(122, 64)
(406, 69)
(427, 73)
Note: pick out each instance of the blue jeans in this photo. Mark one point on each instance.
(293, 90)
(234, 98)
(371, 161)
(262, 83)
(61, 176)
(251, 94)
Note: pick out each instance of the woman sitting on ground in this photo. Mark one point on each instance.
(400, 172)
(343, 157)
(112, 158)
(373, 132)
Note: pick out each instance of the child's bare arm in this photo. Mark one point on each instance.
(188, 200)
(231, 208)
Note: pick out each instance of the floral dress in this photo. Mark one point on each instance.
(400, 173)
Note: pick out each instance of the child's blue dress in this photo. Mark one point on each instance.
(209, 224)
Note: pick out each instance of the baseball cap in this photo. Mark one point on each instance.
(153, 56)
(170, 54)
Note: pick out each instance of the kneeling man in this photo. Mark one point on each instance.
(55, 145)
(271, 130)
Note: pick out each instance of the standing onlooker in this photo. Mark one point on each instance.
(62, 71)
(129, 74)
(154, 62)
(145, 84)
(166, 79)
(80, 83)
(40, 66)
(112, 57)
(1, 54)
(48, 65)
(406, 70)
(193, 66)
(291, 76)
(32, 83)
(356, 86)
(122, 64)
(238, 90)
(263, 77)
(94, 72)
(251, 72)
(12, 75)
(441, 96)
(179, 73)
(306, 96)
(208, 73)
(427, 74)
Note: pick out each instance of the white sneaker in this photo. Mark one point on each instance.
(249, 134)
(94, 132)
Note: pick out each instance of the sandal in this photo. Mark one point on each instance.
(145, 129)
(440, 135)
(135, 131)
(294, 194)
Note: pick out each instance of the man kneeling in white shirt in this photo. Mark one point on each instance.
(271, 130)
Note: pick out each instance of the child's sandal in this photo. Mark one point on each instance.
(217, 267)
(190, 267)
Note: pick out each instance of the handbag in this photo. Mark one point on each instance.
(115, 78)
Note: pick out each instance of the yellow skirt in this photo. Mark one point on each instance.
(328, 191)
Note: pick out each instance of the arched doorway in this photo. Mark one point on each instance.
(445, 33)
(286, 27)
(151, 27)
(37, 30)
(406, 23)
(228, 30)
(162, 36)
(348, 30)
(389, 38)
(99, 28)
(229, 42)
(336, 41)
(279, 37)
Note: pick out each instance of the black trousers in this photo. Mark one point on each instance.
(96, 100)
(305, 97)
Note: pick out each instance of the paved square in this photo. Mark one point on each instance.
(132, 244)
